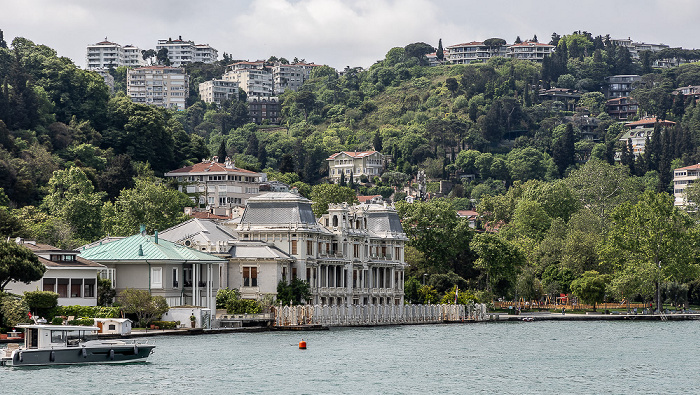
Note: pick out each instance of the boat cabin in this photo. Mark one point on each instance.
(57, 336)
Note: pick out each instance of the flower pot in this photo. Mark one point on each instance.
(192, 323)
(153, 326)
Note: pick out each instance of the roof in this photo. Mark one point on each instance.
(467, 213)
(352, 154)
(649, 121)
(78, 263)
(365, 199)
(382, 220)
(198, 230)
(142, 247)
(208, 215)
(257, 250)
(531, 44)
(278, 208)
(692, 167)
(467, 44)
(208, 167)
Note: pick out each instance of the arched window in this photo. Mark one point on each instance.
(335, 220)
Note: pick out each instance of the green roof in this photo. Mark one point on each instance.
(141, 247)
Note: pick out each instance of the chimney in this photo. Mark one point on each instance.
(142, 228)
(140, 250)
(155, 236)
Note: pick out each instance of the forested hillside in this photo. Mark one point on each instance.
(78, 162)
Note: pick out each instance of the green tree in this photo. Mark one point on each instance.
(324, 194)
(440, 53)
(498, 259)
(563, 149)
(590, 287)
(18, 263)
(41, 303)
(652, 241)
(295, 292)
(105, 292)
(150, 203)
(142, 304)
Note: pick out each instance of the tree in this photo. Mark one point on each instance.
(324, 194)
(563, 149)
(41, 303)
(105, 292)
(296, 292)
(72, 197)
(162, 57)
(590, 287)
(221, 154)
(18, 263)
(651, 242)
(142, 304)
(440, 53)
(150, 203)
(498, 259)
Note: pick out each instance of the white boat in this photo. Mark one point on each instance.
(70, 344)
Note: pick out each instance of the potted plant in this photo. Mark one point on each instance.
(193, 320)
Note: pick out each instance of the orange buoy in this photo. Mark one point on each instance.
(302, 345)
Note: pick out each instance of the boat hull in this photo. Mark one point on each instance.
(81, 355)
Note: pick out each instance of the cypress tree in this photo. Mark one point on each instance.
(222, 152)
(351, 181)
(563, 150)
(342, 179)
(440, 53)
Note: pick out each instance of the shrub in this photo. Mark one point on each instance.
(82, 322)
(42, 303)
(88, 311)
(57, 321)
(166, 324)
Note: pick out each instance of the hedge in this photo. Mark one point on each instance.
(166, 324)
(88, 311)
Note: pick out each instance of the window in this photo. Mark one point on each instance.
(157, 277)
(62, 287)
(250, 276)
(294, 247)
(112, 327)
(49, 285)
(89, 288)
(175, 277)
(309, 247)
(75, 287)
(355, 250)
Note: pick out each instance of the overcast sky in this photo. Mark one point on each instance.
(338, 33)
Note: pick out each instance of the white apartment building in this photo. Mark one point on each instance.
(133, 56)
(216, 91)
(290, 76)
(251, 77)
(368, 163)
(182, 52)
(531, 51)
(682, 177)
(218, 186)
(106, 54)
(161, 86)
(473, 51)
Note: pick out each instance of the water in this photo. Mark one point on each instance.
(519, 358)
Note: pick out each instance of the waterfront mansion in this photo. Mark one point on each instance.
(352, 255)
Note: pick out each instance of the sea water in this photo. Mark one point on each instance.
(545, 357)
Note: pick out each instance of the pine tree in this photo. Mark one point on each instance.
(534, 38)
(518, 40)
(563, 150)
(440, 54)
(222, 152)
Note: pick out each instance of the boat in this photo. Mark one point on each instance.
(71, 344)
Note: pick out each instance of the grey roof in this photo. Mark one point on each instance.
(382, 221)
(256, 250)
(278, 208)
(198, 230)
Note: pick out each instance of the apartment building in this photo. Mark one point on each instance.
(263, 108)
(619, 85)
(682, 177)
(639, 130)
(529, 50)
(162, 86)
(621, 108)
(466, 53)
(367, 163)
(216, 91)
(251, 77)
(290, 76)
(106, 54)
(218, 186)
(181, 52)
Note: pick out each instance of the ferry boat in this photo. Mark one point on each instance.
(70, 344)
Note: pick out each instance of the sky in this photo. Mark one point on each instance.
(338, 33)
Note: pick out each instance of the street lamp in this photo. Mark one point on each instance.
(425, 275)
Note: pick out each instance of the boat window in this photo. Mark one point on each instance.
(58, 336)
(75, 337)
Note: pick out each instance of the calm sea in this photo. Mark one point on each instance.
(515, 358)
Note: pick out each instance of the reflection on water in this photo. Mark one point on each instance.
(523, 357)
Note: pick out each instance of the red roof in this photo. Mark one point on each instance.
(650, 121)
(465, 44)
(365, 199)
(208, 215)
(692, 167)
(352, 154)
(467, 213)
(209, 167)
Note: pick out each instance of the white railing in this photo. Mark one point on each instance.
(351, 315)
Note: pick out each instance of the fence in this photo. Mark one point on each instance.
(569, 305)
(352, 315)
